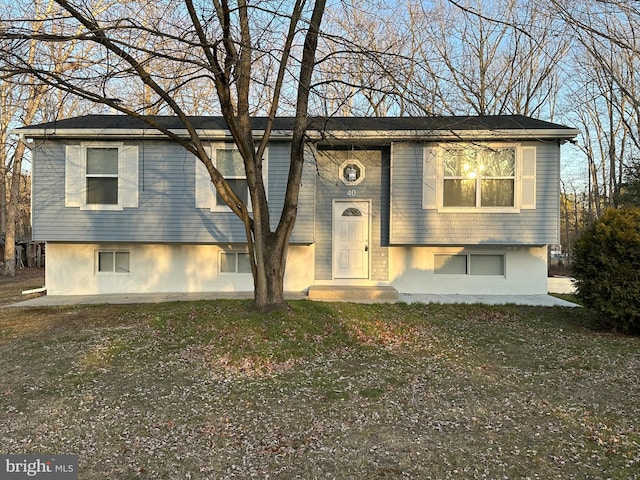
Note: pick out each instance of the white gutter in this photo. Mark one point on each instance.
(390, 135)
(22, 138)
(412, 135)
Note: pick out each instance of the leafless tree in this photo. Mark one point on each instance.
(605, 89)
(362, 71)
(22, 99)
(488, 58)
(574, 214)
(216, 42)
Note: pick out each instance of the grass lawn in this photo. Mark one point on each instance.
(212, 390)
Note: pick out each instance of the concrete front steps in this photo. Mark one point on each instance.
(349, 293)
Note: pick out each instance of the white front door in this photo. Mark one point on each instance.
(351, 239)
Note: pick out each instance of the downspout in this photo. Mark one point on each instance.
(23, 140)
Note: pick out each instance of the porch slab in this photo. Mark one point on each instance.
(350, 293)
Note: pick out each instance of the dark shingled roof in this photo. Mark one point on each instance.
(434, 123)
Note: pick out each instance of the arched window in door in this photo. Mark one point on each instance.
(352, 212)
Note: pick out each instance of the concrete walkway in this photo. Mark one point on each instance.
(59, 300)
(532, 300)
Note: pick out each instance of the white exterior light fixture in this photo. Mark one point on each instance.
(351, 172)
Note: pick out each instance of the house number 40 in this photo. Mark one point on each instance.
(352, 193)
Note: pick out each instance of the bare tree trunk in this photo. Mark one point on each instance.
(32, 104)
(595, 189)
(7, 112)
(271, 295)
(3, 195)
(12, 212)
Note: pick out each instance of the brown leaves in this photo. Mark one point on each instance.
(206, 390)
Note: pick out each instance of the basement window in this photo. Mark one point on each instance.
(469, 264)
(235, 262)
(112, 261)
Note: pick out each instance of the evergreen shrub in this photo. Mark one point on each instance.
(606, 268)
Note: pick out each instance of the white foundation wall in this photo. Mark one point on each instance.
(411, 270)
(72, 270)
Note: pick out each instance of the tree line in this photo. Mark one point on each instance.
(573, 62)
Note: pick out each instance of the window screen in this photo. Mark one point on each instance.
(450, 264)
(487, 265)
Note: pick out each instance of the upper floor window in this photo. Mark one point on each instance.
(227, 159)
(230, 164)
(497, 177)
(479, 177)
(101, 176)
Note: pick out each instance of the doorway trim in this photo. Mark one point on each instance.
(357, 270)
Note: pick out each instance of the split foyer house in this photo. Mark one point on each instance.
(426, 205)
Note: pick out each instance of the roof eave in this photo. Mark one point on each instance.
(109, 133)
(388, 135)
(435, 135)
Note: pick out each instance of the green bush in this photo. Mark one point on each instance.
(606, 267)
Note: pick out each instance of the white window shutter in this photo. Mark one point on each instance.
(204, 187)
(73, 176)
(430, 178)
(128, 166)
(528, 178)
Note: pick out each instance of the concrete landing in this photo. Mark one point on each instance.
(348, 293)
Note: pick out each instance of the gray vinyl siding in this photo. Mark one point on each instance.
(375, 187)
(279, 159)
(166, 211)
(413, 225)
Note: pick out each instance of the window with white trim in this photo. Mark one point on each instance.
(227, 159)
(113, 261)
(487, 178)
(469, 264)
(101, 176)
(475, 177)
(235, 262)
(230, 164)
